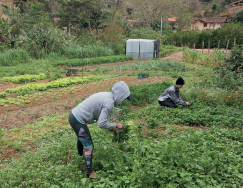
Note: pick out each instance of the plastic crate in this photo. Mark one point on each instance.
(143, 75)
(114, 115)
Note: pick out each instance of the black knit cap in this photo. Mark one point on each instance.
(180, 81)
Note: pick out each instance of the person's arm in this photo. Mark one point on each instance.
(106, 109)
(176, 99)
(102, 121)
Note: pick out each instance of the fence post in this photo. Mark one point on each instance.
(227, 46)
(218, 45)
(194, 46)
(208, 46)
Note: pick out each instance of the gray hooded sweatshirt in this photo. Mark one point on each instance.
(98, 106)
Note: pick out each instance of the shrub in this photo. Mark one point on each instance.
(14, 57)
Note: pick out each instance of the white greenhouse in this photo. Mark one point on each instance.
(142, 48)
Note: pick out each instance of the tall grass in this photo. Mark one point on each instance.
(14, 57)
(193, 56)
(88, 51)
(33, 68)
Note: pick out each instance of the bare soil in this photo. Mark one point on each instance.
(63, 100)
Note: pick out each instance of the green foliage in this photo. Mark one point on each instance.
(145, 33)
(152, 122)
(231, 70)
(157, 65)
(196, 115)
(34, 68)
(239, 17)
(87, 51)
(14, 57)
(61, 82)
(24, 78)
(235, 61)
(10, 27)
(216, 57)
(228, 31)
(122, 135)
(194, 158)
(2, 94)
(92, 61)
(147, 93)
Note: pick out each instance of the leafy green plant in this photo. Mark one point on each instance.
(152, 122)
(61, 82)
(24, 78)
(2, 94)
(122, 135)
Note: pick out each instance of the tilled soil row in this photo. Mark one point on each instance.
(64, 101)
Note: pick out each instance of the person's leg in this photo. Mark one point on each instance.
(169, 104)
(80, 148)
(84, 141)
(76, 127)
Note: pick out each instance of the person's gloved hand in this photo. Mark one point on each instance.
(118, 126)
(188, 104)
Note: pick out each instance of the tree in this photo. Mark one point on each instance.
(239, 17)
(184, 16)
(113, 8)
(81, 14)
(10, 28)
(152, 10)
(214, 7)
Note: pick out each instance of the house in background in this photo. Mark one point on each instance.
(172, 23)
(209, 23)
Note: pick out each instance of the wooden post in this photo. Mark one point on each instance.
(208, 46)
(234, 41)
(161, 28)
(218, 45)
(194, 46)
(227, 46)
(82, 62)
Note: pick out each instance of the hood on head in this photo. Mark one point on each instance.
(120, 92)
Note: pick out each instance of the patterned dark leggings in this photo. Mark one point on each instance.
(84, 141)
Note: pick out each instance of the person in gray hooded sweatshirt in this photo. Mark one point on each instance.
(96, 108)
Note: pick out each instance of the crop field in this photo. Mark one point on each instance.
(196, 146)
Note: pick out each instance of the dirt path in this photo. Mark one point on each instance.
(174, 57)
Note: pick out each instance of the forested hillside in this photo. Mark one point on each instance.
(43, 27)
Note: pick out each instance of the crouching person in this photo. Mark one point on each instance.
(171, 95)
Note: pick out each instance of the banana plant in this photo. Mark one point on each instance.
(10, 27)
